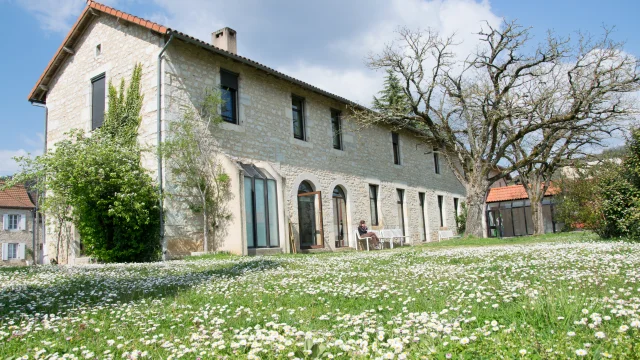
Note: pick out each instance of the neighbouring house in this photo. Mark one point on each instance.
(509, 212)
(295, 158)
(16, 235)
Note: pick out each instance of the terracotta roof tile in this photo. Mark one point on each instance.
(16, 198)
(514, 192)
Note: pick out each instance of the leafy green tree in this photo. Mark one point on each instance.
(98, 183)
(605, 198)
(193, 160)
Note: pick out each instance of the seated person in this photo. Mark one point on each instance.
(364, 232)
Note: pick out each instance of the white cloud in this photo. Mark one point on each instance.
(324, 44)
(8, 166)
(56, 16)
(32, 147)
(353, 84)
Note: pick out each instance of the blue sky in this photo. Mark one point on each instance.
(322, 42)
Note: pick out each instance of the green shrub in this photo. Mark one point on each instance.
(605, 198)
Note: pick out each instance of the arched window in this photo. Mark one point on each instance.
(305, 187)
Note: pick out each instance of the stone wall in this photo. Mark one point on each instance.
(265, 134)
(122, 46)
(17, 236)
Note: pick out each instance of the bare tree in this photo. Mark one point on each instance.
(475, 110)
(602, 77)
(193, 158)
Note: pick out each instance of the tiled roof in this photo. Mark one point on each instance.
(39, 90)
(514, 192)
(15, 197)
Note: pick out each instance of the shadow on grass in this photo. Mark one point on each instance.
(88, 288)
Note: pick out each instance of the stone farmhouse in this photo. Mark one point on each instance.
(17, 231)
(295, 158)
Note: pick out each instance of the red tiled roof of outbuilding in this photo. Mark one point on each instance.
(514, 192)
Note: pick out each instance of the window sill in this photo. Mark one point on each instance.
(302, 143)
(233, 127)
(338, 152)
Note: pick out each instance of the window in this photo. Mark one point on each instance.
(297, 109)
(98, 50)
(455, 210)
(336, 129)
(229, 96)
(421, 197)
(400, 193)
(440, 210)
(373, 204)
(13, 221)
(97, 101)
(396, 148)
(436, 160)
(261, 208)
(12, 251)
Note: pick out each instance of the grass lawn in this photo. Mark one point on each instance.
(561, 296)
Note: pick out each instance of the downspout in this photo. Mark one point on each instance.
(159, 120)
(37, 210)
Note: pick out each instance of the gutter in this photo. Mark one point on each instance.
(159, 121)
(36, 213)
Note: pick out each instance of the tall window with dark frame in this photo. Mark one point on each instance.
(455, 209)
(401, 210)
(97, 101)
(421, 197)
(261, 208)
(436, 160)
(395, 139)
(297, 112)
(229, 96)
(441, 210)
(373, 204)
(336, 129)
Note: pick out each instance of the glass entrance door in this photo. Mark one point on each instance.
(310, 220)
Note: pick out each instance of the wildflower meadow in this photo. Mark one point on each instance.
(571, 296)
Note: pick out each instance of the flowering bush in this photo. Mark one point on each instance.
(553, 300)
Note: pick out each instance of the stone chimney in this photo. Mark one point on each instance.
(225, 39)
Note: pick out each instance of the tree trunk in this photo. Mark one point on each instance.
(476, 195)
(535, 192)
(206, 228)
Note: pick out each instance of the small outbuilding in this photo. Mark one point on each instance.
(509, 212)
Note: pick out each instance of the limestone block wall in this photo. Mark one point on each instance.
(122, 46)
(265, 134)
